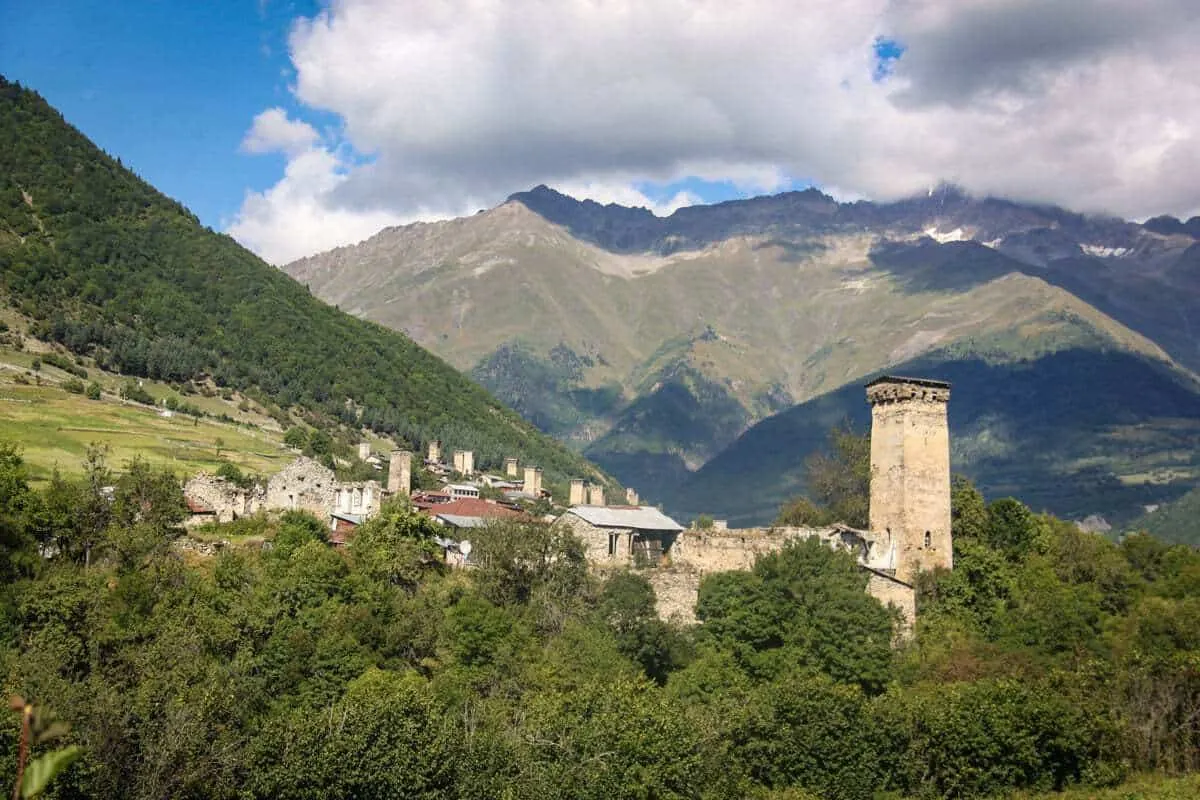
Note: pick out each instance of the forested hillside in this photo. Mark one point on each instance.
(1049, 658)
(108, 267)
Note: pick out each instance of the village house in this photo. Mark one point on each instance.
(619, 535)
(468, 513)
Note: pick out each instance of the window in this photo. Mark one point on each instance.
(928, 539)
(612, 544)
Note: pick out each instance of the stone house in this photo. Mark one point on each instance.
(303, 485)
(622, 535)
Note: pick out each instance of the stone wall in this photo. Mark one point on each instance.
(699, 553)
(892, 592)
(361, 498)
(304, 485)
(227, 500)
(596, 542)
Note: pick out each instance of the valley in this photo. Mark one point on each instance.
(655, 346)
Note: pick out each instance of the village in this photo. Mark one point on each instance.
(909, 507)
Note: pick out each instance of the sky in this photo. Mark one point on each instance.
(305, 125)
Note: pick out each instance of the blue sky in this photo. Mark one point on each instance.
(368, 113)
(169, 87)
(172, 87)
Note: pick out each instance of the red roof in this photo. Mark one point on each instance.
(195, 507)
(474, 507)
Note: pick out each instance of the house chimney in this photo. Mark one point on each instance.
(364, 451)
(631, 497)
(595, 495)
(578, 495)
(510, 467)
(400, 472)
(435, 452)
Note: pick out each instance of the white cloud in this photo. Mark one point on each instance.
(1094, 104)
(273, 131)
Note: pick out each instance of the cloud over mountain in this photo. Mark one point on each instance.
(448, 107)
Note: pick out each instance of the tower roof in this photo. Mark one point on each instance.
(916, 381)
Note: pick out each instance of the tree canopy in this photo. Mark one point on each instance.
(283, 667)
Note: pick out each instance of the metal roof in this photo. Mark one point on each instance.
(643, 518)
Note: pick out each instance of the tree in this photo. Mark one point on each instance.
(838, 481)
(805, 604)
(296, 438)
(1011, 527)
(396, 546)
(16, 543)
(627, 605)
(530, 564)
(968, 511)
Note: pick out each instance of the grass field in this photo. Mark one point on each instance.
(1142, 787)
(54, 427)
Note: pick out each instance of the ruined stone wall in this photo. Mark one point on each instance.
(720, 551)
(910, 473)
(304, 485)
(892, 592)
(699, 553)
(228, 501)
(675, 593)
(362, 498)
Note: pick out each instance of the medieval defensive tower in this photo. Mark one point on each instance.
(910, 471)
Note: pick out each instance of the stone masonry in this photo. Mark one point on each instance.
(910, 471)
(226, 500)
(400, 472)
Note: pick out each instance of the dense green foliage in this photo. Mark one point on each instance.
(1048, 658)
(111, 269)
(839, 483)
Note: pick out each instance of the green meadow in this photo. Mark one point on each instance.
(55, 427)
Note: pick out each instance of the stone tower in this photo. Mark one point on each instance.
(578, 495)
(533, 481)
(910, 471)
(400, 472)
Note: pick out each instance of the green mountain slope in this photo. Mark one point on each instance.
(652, 344)
(1078, 429)
(105, 265)
(1178, 521)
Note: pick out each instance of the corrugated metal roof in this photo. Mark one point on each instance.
(642, 518)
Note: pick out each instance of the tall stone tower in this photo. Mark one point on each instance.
(910, 471)
(400, 472)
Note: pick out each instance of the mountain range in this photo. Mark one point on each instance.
(99, 263)
(702, 356)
